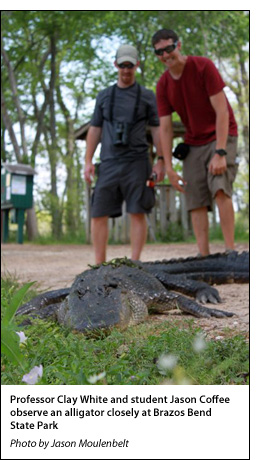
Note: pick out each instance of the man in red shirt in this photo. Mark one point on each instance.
(193, 87)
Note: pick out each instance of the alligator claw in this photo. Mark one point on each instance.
(208, 294)
(193, 308)
(220, 313)
(213, 299)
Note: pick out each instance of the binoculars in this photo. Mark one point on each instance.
(121, 133)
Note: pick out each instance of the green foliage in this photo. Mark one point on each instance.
(14, 304)
(61, 59)
(131, 357)
(241, 231)
(241, 192)
(66, 238)
(9, 338)
(173, 234)
(242, 228)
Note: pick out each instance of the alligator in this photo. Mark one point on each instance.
(121, 292)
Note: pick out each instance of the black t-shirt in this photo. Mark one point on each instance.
(123, 111)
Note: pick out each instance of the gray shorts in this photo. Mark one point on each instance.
(202, 186)
(118, 182)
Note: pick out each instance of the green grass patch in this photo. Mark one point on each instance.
(131, 357)
(241, 233)
(173, 234)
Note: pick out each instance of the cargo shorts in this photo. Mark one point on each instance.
(202, 186)
(118, 182)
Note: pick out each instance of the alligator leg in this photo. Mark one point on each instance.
(181, 283)
(170, 301)
(45, 304)
(193, 308)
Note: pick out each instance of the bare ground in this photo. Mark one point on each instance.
(56, 266)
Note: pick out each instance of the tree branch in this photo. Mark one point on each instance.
(16, 100)
(8, 124)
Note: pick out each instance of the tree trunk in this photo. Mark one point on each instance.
(71, 188)
(15, 96)
(53, 148)
(31, 224)
(71, 185)
(8, 124)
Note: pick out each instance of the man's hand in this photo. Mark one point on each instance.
(176, 181)
(217, 165)
(89, 172)
(93, 139)
(159, 170)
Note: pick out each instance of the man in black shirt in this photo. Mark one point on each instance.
(121, 115)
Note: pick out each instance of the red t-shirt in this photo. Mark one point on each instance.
(189, 97)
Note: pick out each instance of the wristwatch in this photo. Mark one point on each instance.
(221, 152)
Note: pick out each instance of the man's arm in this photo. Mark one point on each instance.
(93, 139)
(218, 164)
(158, 168)
(166, 137)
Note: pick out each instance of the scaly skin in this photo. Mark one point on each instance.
(121, 293)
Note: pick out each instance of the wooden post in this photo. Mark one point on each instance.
(20, 220)
(117, 229)
(184, 216)
(151, 229)
(125, 225)
(163, 216)
(31, 224)
(172, 205)
(110, 229)
(151, 219)
(5, 225)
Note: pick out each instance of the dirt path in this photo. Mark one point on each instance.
(56, 266)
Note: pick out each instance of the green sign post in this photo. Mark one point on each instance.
(16, 194)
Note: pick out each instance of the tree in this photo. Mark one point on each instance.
(37, 67)
(55, 62)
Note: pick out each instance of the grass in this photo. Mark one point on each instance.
(174, 234)
(131, 357)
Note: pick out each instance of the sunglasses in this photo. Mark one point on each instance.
(168, 49)
(126, 66)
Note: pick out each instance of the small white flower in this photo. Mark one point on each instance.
(167, 362)
(199, 343)
(22, 336)
(33, 376)
(95, 378)
(219, 337)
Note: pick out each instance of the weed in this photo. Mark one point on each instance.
(146, 354)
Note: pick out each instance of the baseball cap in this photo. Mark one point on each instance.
(126, 53)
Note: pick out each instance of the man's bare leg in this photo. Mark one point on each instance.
(99, 232)
(199, 218)
(138, 234)
(227, 218)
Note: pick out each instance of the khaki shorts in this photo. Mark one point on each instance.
(202, 186)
